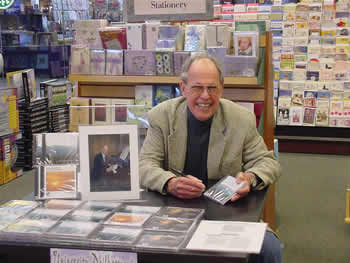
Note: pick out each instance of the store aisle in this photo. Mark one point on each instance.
(310, 206)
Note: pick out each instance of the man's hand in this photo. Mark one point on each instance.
(185, 187)
(240, 177)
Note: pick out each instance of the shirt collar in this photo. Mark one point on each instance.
(192, 119)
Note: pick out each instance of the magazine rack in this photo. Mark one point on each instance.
(236, 88)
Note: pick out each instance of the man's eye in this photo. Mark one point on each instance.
(212, 88)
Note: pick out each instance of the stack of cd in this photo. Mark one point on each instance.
(33, 118)
(59, 118)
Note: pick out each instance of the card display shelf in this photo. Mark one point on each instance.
(152, 79)
(236, 89)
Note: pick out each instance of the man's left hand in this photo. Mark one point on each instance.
(240, 177)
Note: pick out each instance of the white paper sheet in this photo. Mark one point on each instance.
(228, 236)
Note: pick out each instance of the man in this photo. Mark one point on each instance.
(206, 137)
(101, 166)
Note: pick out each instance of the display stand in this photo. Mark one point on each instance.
(236, 89)
(347, 208)
(247, 210)
(303, 139)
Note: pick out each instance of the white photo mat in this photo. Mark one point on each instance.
(253, 38)
(84, 177)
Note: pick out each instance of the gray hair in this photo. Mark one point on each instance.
(186, 66)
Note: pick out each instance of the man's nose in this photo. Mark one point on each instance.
(205, 92)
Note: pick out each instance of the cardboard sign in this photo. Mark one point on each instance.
(168, 10)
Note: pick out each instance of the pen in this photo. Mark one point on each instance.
(176, 171)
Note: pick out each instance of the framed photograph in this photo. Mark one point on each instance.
(109, 162)
(246, 43)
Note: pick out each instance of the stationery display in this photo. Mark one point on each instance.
(161, 49)
(314, 50)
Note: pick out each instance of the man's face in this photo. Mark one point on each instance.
(244, 43)
(105, 150)
(203, 89)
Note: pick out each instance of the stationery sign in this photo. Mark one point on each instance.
(4, 4)
(168, 10)
(58, 255)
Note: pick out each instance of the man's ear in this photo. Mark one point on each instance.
(182, 88)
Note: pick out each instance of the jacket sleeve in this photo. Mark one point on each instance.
(153, 156)
(257, 159)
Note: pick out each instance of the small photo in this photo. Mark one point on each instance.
(246, 43)
(60, 179)
(109, 160)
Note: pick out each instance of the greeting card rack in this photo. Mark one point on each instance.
(236, 88)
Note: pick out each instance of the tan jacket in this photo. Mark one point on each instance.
(234, 145)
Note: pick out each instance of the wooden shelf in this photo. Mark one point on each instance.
(134, 80)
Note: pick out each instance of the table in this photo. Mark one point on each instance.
(247, 209)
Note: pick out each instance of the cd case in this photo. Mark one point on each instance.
(128, 219)
(106, 235)
(72, 230)
(181, 212)
(87, 216)
(100, 206)
(57, 181)
(157, 239)
(224, 189)
(157, 223)
(62, 204)
(47, 214)
(138, 209)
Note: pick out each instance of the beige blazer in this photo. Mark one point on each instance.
(234, 145)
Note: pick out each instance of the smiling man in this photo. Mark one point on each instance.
(206, 137)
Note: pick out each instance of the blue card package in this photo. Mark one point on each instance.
(162, 93)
